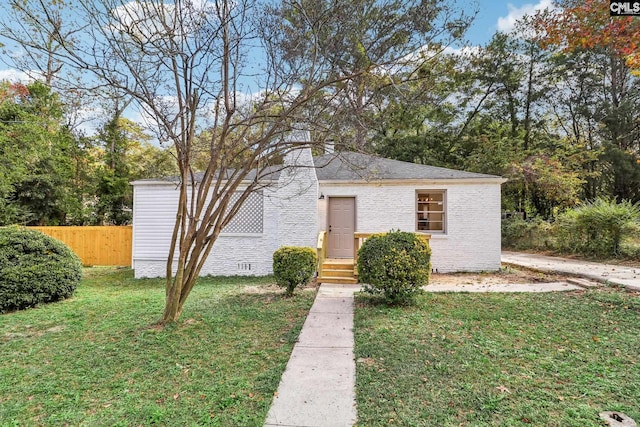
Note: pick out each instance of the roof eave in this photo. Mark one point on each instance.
(415, 181)
(175, 183)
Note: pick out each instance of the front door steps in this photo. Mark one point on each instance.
(338, 270)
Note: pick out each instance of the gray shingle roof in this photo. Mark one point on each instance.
(268, 173)
(350, 166)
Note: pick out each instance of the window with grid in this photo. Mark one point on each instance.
(431, 211)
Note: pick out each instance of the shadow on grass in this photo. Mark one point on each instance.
(92, 360)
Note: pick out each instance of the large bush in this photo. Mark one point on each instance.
(518, 233)
(395, 265)
(294, 266)
(597, 228)
(34, 269)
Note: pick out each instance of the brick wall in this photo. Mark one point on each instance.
(298, 198)
(472, 239)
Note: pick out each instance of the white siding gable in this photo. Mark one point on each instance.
(234, 253)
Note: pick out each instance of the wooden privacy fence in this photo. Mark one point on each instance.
(108, 245)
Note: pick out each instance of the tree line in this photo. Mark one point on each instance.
(51, 174)
(552, 109)
(560, 123)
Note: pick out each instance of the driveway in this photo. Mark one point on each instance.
(608, 273)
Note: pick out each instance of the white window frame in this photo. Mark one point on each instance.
(424, 208)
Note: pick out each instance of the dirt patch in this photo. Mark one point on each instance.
(270, 288)
(506, 275)
(29, 333)
(261, 289)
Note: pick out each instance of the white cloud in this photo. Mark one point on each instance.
(150, 22)
(14, 76)
(507, 23)
(462, 51)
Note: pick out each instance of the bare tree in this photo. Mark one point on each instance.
(190, 64)
(31, 30)
(24, 23)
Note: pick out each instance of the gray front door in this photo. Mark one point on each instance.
(342, 224)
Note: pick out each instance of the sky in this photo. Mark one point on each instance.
(494, 15)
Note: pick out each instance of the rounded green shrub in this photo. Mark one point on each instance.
(294, 266)
(35, 269)
(394, 265)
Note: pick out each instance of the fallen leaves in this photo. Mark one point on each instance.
(503, 389)
(367, 361)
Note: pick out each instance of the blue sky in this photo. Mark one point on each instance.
(497, 15)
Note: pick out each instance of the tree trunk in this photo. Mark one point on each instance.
(173, 307)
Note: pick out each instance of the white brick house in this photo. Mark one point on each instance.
(341, 194)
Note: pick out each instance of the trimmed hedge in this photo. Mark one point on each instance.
(35, 269)
(395, 265)
(294, 266)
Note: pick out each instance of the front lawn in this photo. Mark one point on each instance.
(499, 359)
(94, 360)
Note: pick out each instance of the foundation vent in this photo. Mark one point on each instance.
(245, 266)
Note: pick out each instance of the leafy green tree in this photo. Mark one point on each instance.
(12, 126)
(550, 187)
(125, 154)
(380, 44)
(416, 118)
(595, 106)
(146, 160)
(37, 156)
(113, 191)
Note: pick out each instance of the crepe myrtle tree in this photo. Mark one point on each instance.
(190, 65)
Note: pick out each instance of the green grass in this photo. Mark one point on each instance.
(499, 359)
(94, 360)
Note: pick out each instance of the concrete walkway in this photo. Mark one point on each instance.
(616, 274)
(318, 386)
